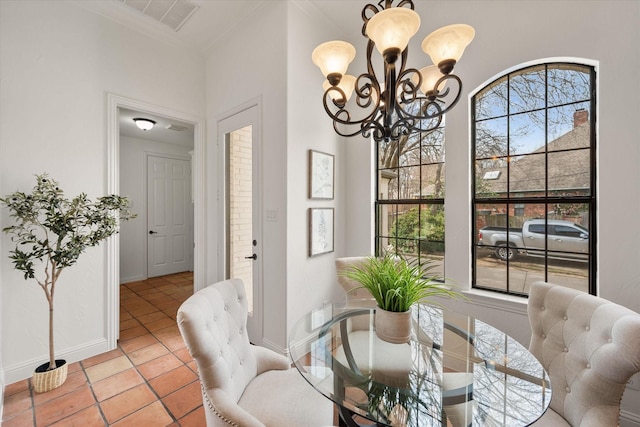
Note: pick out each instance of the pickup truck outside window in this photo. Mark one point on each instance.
(534, 179)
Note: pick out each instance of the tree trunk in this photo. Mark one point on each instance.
(52, 358)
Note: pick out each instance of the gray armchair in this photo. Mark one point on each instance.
(243, 384)
(590, 347)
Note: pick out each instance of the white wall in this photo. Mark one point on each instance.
(133, 233)
(309, 128)
(57, 64)
(250, 64)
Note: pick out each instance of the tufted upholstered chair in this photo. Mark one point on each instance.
(242, 384)
(590, 347)
(353, 294)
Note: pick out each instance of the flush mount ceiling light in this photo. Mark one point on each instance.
(406, 99)
(144, 124)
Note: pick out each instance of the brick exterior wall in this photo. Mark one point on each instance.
(240, 208)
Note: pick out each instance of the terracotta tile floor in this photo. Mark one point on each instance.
(149, 380)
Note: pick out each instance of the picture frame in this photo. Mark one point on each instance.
(320, 231)
(321, 175)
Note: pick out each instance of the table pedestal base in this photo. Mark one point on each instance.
(346, 419)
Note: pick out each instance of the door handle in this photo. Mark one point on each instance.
(253, 257)
(153, 232)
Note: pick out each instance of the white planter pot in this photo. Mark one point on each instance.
(393, 327)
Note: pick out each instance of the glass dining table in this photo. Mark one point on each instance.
(454, 371)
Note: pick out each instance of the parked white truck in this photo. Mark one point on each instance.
(565, 240)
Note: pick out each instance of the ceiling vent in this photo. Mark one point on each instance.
(172, 13)
(177, 128)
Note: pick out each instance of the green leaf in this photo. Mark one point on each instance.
(397, 284)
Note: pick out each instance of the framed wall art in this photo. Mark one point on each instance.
(321, 175)
(320, 231)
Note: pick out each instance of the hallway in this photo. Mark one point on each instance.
(149, 380)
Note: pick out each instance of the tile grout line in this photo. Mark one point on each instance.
(171, 293)
(146, 381)
(173, 416)
(102, 414)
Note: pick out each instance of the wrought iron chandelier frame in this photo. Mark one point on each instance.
(388, 117)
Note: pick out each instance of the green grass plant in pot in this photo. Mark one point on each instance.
(50, 233)
(396, 284)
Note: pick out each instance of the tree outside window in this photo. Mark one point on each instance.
(410, 199)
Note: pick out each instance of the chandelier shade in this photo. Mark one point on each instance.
(333, 57)
(400, 100)
(448, 43)
(391, 29)
(430, 76)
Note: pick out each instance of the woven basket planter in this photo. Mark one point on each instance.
(44, 380)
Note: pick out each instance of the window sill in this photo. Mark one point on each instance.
(497, 301)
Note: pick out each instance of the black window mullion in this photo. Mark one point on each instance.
(548, 198)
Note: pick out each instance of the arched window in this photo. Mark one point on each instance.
(533, 133)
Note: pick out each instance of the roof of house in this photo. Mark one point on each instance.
(568, 166)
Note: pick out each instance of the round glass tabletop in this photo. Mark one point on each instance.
(454, 370)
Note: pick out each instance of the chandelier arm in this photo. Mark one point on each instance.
(406, 87)
(368, 8)
(406, 2)
(402, 127)
(403, 61)
(337, 116)
(445, 93)
(370, 70)
(365, 91)
(372, 126)
(342, 116)
(405, 126)
(337, 120)
(345, 134)
(434, 105)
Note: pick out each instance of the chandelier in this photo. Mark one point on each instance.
(406, 100)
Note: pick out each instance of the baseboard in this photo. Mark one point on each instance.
(275, 347)
(629, 419)
(23, 370)
(130, 279)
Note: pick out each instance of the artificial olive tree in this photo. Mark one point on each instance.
(51, 231)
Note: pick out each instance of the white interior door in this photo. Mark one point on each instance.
(243, 256)
(169, 216)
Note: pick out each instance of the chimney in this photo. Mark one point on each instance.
(579, 117)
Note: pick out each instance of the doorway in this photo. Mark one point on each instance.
(115, 162)
(238, 136)
(155, 174)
